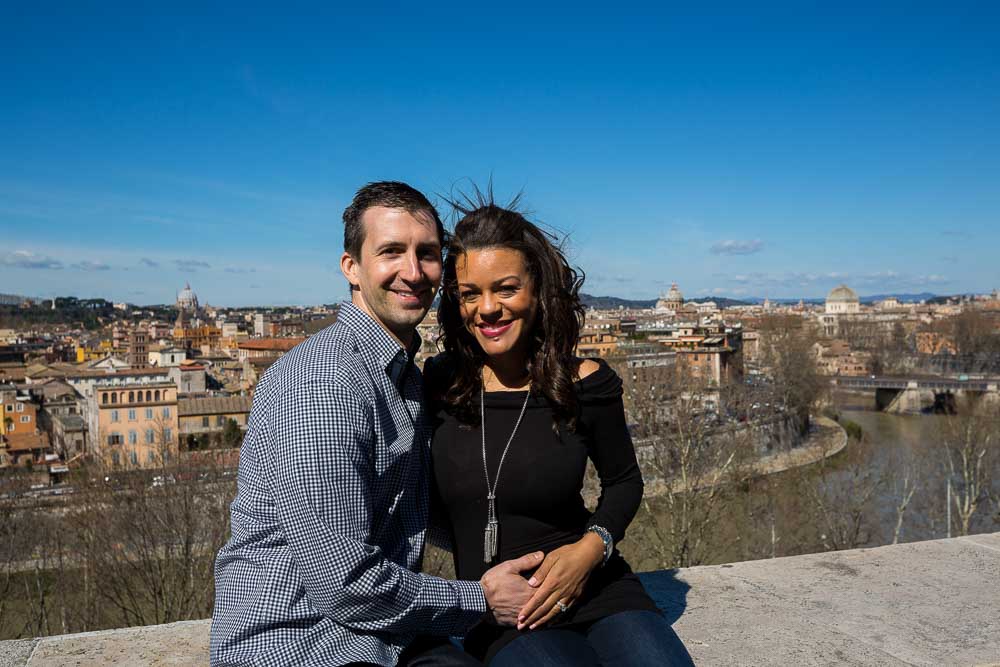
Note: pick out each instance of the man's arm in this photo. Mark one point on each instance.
(321, 464)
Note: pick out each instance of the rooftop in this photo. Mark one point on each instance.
(924, 603)
(271, 344)
(219, 405)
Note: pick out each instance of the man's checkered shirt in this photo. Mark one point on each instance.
(331, 510)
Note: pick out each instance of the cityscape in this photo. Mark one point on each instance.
(127, 386)
(762, 429)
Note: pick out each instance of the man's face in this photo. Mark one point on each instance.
(399, 269)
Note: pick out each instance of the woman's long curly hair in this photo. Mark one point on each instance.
(559, 315)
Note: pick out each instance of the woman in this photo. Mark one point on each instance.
(517, 416)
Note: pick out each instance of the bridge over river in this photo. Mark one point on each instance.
(920, 393)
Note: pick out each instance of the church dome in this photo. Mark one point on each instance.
(674, 295)
(187, 299)
(842, 294)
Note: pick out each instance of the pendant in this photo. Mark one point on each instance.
(490, 541)
(490, 534)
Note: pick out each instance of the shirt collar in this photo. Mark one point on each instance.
(377, 345)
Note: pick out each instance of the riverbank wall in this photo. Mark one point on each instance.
(778, 446)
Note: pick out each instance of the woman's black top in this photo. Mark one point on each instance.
(538, 501)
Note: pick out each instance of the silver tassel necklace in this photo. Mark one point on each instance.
(492, 525)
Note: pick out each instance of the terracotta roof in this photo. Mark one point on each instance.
(271, 344)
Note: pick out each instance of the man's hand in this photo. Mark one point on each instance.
(506, 590)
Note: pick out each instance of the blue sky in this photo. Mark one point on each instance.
(767, 151)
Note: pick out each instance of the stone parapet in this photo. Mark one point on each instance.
(924, 603)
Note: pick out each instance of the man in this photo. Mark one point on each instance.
(329, 519)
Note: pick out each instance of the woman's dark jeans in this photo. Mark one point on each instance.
(628, 638)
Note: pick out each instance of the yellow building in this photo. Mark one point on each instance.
(137, 424)
(597, 344)
(85, 354)
(196, 338)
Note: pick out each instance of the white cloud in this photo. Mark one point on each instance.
(23, 259)
(87, 265)
(736, 247)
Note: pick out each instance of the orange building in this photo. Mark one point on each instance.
(137, 424)
(23, 440)
(597, 344)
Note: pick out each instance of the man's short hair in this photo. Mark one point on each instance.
(390, 194)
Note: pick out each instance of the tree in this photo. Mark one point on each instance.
(232, 436)
(971, 445)
(152, 536)
(788, 355)
(11, 530)
(694, 460)
(840, 503)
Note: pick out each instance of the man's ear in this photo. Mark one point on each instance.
(349, 267)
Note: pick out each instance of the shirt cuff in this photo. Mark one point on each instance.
(472, 604)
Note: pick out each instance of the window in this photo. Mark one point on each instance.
(131, 414)
(157, 395)
(150, 436)
(220, 420)
(131, 397)
(11, 428)
(114, 414)
(20, 407)
(114, 398)
(167, 435)
(134, 458)
(149, 395)
(166, 413)
(10, 407)
(204, 422)
(149, 413)
(25, 419)
(151, 457)
(133, 437)
(115, 459)
(115, 439)
(104, 399)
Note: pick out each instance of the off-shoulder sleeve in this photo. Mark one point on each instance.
(602, 418)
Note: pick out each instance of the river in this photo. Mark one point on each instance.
(848, 501)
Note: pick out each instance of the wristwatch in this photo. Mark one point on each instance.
(605, 535)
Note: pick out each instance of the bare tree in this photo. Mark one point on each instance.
(971, 441)
(787, 353)
(11, 532)
(841, 502)
(694, 461)
(152, 536)
(904, 486)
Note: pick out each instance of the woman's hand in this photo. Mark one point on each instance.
(560, 577)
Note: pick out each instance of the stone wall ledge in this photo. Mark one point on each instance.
(923, 603)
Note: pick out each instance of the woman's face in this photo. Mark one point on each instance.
(497, 299)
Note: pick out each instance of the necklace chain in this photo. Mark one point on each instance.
(492, 525)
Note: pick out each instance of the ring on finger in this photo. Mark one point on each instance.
(562, 606)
